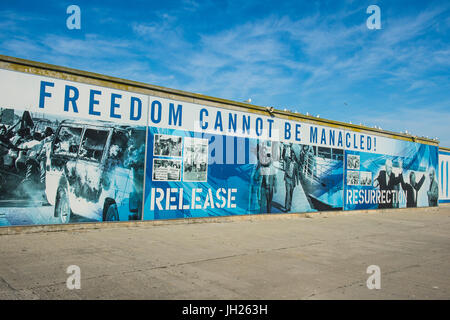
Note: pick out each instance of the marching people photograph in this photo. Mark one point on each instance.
(352, 178)
(365, 178)
(195, 160)
(167, 145)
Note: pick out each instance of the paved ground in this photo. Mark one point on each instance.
(279, 258)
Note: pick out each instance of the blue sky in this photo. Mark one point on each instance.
(307, 56)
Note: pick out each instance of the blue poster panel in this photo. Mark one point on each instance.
(407, 179)
(201, 175)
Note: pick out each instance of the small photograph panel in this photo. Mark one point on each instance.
(195, 160)
(353, 162)
(167, 145)
(166, 170)
(365, 178)
(352, 178)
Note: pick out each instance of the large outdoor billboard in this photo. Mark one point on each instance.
(76, 152)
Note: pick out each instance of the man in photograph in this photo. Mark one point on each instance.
(412, 189)
(387, 181)
(433, 192)
(290, 176)
(267, 175)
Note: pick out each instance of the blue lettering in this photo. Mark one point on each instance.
(139, 109)
(369, 143)
(270, 121)
(115, 105)
(218, 123)
(287, 130)
(43, 93)
(259, 126)
(313, 135)
(156, 118)
(232, 122)
(297, 132)
(93, 102)
(68, 99)
(245, 124)
(175, 116)
(203, 125)
(340, 142)
(332, 132)
(323, 138)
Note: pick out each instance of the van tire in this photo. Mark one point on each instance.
(62, 206)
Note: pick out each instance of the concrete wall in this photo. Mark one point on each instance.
(110, 149)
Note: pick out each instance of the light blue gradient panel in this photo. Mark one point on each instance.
(330, 190)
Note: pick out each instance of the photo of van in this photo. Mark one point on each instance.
(95, 170)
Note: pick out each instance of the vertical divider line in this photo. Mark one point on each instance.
(145, 157)
(344, 160)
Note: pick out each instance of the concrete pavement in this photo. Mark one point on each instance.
(323, 257)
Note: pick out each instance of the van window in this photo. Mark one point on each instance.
(67, 141)
(118, 148)
(93, 144)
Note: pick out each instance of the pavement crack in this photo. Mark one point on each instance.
(2, 280)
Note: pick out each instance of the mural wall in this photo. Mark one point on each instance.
(74, 152)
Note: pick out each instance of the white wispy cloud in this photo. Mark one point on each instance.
(318, 61)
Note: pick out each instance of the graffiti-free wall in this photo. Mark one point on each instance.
(75, 152)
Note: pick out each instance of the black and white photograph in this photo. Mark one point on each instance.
(195, 160)
(353, 162)
(353, 178)
(47, 159)
(365, 178)
(166, 170)
(168, 145)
